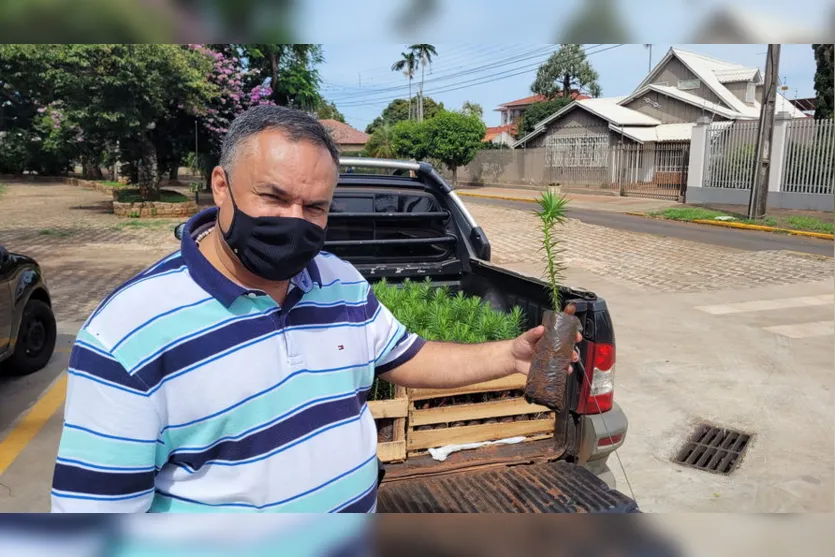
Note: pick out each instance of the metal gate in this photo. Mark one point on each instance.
(656, 170)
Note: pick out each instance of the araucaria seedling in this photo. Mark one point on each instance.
(553, 354)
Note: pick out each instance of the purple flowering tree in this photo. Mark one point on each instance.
(229, 78)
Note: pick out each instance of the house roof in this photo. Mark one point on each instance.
(664, 132)
(536, 99)
(605, 108)
(711, 72)
(686, 97)
(736, 75)
(498, 130)
(344, 134)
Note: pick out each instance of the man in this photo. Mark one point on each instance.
(232, 375)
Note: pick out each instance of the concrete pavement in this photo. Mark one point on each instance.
(679, 365)
(605, 203)
(740, 239)
(734, 336)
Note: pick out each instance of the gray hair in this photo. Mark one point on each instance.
(295, 124)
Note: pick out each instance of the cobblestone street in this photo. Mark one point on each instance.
(645, 261)
(84, 249)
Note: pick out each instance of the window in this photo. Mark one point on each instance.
(685, 84)
(749, 93)
(587, 151)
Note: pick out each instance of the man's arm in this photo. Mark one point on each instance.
(445, 365)
(107, 455)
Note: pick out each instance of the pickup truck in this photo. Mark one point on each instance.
(398, 220)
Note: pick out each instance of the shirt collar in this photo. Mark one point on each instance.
(213, 281)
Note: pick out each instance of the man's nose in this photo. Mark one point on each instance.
(296, 210)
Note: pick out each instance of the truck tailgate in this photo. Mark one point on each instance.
(549, 487)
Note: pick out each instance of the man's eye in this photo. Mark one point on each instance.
(316, 209)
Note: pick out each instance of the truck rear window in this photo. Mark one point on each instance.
(393, 225)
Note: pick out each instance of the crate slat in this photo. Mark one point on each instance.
(509, 383)
(393, 408)
(474, 411)
(392, 451)
(476, 433)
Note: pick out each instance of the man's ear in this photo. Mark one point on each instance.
(220, 187)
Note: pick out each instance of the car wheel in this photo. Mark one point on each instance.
(35, 340)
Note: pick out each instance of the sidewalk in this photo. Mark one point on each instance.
(610, 203)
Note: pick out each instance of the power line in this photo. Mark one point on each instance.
(444, 58)
(473, 82)
(445, 73)
(370, 97)
(503, 62)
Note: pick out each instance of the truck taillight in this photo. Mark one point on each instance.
(598, 390)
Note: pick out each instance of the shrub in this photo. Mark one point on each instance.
(438, 314)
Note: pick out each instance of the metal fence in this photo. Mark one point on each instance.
(808, 163)
(731, 152)
(656, 170)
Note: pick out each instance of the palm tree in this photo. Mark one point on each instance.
(408, 65)
(379, 144)
(424, 53)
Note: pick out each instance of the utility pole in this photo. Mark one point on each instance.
(759, 179)
(649, 47)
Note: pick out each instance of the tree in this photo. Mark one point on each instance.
(424, 54)
(380, 143)
(454, 139)
(96, 96)
(398, 111)
(565, 71)
(289, 70)
(823, 81)
(328, 111)
(409, 140)
(408, 65)
(537, 112)
(472, 109)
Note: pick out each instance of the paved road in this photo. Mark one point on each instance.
(739, 239)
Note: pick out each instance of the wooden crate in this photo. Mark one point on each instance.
(419, 439)
(398, 409)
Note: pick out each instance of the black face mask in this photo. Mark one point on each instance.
(273, 248)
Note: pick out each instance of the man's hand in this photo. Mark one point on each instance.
(522, 348)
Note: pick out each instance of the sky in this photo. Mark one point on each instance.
(359, 80)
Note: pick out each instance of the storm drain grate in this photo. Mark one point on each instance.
(714, 449)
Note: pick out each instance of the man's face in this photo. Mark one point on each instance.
(273, 176)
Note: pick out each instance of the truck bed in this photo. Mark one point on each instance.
(550, 487)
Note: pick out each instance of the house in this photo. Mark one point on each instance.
(348, 138)
(807, 105)
(501, 135)
(680, 89)
(512, 111)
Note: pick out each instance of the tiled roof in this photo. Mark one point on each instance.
(609, 109)
(735, 75)
(344, 134)
(538, 98)
(696, 100)
(664, 132)
(498, 130)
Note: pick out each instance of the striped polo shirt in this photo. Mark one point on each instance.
(188, 392)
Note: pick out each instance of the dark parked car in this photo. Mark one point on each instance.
(27, 323)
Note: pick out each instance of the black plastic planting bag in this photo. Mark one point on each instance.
(551, 360)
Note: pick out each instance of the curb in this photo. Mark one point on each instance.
(742, 226)
(739, 225)
(490, 196)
